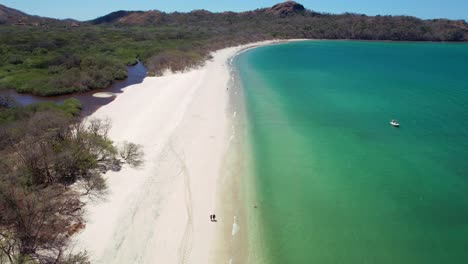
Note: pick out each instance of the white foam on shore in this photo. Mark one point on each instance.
(235, 227)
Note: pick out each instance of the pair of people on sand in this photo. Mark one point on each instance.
(213, 218)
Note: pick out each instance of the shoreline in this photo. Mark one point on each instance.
(93, 99)
(161, 211)
(290, 178)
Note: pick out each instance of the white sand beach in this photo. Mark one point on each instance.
(160, 213)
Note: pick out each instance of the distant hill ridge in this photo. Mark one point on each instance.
(302, 23)
(153, 16)
(114, 17)
(292, 20)
(12, 16)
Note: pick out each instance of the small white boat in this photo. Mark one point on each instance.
(394, 123)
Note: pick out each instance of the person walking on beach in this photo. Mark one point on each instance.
(213, 218)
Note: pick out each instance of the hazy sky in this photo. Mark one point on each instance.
(89, 9)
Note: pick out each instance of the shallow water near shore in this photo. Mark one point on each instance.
(331, 180)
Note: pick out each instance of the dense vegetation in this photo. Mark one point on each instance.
(53, 58)
(49, 163)
(9, 112)
(55, 61)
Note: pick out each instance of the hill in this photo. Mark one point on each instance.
(10, 16)
(155, 17)
(13, 17)
(114, 17)
(62, 56)
(291, 19)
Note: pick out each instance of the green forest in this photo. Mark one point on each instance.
(53, 57)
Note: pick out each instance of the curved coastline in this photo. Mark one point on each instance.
(161, 211)
(318, 193)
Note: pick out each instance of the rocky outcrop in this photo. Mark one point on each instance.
(286, 8)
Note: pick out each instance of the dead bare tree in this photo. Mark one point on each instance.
(48, 163)
(37, 224)
(132, 154)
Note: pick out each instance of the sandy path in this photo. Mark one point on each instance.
(160, 213)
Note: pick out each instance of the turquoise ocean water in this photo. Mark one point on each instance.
(333, 182)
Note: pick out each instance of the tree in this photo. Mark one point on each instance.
(49, 162)
(37, 223)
